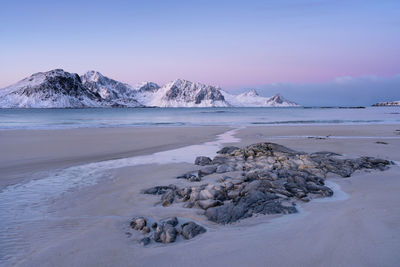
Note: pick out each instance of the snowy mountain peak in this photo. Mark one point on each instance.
(252, 99)
(147, 87)
(183, 93)
(251, 92)
(112, 92)
(277, 98)
(52, 89)
(92, 76)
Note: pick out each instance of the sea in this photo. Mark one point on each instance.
(155, 117)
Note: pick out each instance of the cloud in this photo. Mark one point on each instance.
(342, 91)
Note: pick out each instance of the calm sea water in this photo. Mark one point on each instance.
(131, 117)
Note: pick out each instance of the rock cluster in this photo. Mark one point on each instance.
(264, 178)
(165, 231)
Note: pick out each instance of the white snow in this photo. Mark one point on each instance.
(252, 99)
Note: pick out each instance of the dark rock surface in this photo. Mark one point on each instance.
(202, 161)
(165, 231)
(264, 178)
(191, 229)
(227, 150)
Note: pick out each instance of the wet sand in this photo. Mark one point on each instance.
(88, 227)
(24, 152)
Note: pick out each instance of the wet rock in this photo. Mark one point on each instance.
(208, 203)
(224, 168)
(154, 225)
(168, 198)
(263, 178)
(159, 190)
(227, 150)
(138, 223)
(165, 233)
(253, 202)
(146, 229)
(191, 229)
(172, 221)
(190, 176)
(202, 161)
(207, 171)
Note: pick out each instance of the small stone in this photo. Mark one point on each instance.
(138, 223)
(172, 221)
(202, 161)
(207, 170)
(165, 233)
(191, 229)
(208, 203)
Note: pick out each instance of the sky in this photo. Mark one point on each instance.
(300, 48)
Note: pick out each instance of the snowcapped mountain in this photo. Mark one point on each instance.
(52, 89)
(112, 92)
(60, 89)
(391, 103)
(252, 99)
(182, 93)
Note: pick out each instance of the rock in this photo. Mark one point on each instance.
(202, 161)
(145, 241)
(191, 229)
(227, 150)
(224, 168)
(264, 177)
(207, 171)
(168, 198)
(154, 225)
(319, 189)
(146, 230)
(253, 202)
(159, 190)
(208, 203)
(165, 233)
(172, 221)
(190, 176)
(138, 223)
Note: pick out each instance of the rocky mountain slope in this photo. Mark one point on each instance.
(111, 92)
(52, 89)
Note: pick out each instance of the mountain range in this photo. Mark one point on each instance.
(60, 89)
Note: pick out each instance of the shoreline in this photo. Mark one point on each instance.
(32, 151)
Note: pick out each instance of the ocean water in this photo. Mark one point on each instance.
(145, 117)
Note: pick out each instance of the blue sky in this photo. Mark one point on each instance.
(296, 44)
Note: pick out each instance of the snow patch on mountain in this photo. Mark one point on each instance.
(112, 92)
(183, 93)
(251, 98)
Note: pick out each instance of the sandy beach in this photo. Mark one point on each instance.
(89, 226)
